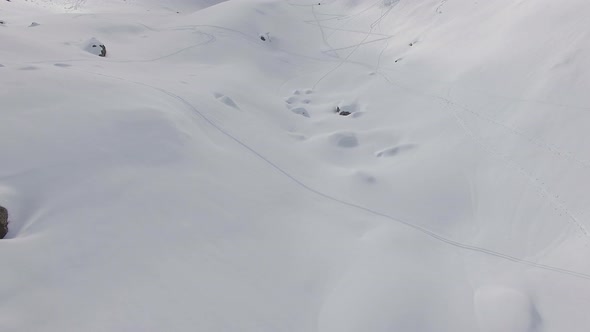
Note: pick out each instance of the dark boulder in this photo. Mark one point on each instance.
(3, 222)
(95, 47)
(341, 112)
(265, 36)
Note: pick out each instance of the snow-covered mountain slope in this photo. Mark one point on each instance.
(199, 177)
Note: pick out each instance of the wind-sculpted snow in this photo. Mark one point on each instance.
(364, 166)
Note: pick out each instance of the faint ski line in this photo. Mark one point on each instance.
(354, 50)
(439, 8)
(322, 32)
(346, 203)
(543, 191)
(365, 43)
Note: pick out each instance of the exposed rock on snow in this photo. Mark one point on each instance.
(3, 222)
(265, 36)
(341, 112)
(346, 110)
(96, 47)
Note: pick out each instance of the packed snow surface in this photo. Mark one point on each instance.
(291, 165)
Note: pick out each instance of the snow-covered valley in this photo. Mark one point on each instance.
(274, 165)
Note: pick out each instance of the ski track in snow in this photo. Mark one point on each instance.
(210, 39)
(438, 9)
(312, 190)
(555, 150)
(373, 25)
(446, 207)
(541, 189)
(534, 181)
(331, 49)
(350, 18)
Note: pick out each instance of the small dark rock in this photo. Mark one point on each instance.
(103, 51)
(3, 222)
(343, 113)
(265, 37)
(96, 47)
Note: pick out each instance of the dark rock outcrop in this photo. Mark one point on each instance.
(3, 222)
(95, 47)
(341, 112)
(265, 37)
(103, 50)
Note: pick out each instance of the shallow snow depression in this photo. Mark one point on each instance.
(366, 166)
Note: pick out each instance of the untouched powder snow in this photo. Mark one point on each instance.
(271, 165)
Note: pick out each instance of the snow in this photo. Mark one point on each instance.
(198, 178)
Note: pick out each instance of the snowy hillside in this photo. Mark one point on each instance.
(290, 165)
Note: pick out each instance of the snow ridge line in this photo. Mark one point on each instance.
(421, 229)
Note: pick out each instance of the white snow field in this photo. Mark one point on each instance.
(199, 178)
